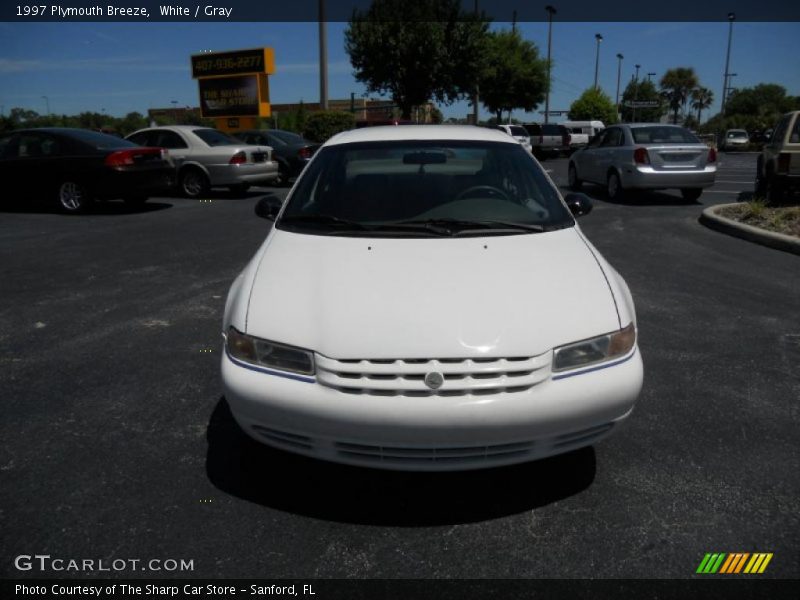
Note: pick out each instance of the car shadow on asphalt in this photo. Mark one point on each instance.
(222, 194)
(109, 208)
(241, 467)
(639, 198)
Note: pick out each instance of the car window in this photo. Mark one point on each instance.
(533, 128)
(662, 135)
(794, 138)
(780, 131)
(392, 182)
(550, 129)
(6, 146)
(519, 131)
(35, 145)
(737, 133)
(165, 138)
(613, 137)
(212, 137)
(287, 137)
(140, 138)
(599, 138)
(99, 141)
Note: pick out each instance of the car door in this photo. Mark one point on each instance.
(586, 161)
(609, 153)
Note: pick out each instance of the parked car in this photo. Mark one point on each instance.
(649, 156)
(74, 167)
(208, 158)
(581, 132)
(548, 139)
(735, 139)
(441, 318)
(290, 150)
(778, 166)
(519, 133)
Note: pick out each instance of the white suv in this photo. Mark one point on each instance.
(778, 170)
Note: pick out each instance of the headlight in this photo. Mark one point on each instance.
(256, 351)
(595, 350)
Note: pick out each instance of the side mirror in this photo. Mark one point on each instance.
(578, 204)
(268, 207)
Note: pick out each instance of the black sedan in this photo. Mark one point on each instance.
(75, 167)
(291, 151)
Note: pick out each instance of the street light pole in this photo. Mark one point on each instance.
(550, 12)
(323, 58)
(649, 75)
(599, 39)
(731, 19)
(47, 103)
(619, 75)
(635, 94)
(476, 95)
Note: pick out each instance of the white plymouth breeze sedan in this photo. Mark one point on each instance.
(426, 301)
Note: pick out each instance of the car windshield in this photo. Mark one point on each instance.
(737, 134)
(424, 188)
(212, 137)
(663, 135)
(100, 141)
(288, 137)
(518, 131)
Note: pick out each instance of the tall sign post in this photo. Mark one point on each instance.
(234, 86)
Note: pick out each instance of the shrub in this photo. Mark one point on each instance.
(322, 125)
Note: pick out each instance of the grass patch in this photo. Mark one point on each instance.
(780, 219)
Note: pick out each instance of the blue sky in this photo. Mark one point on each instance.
(123, 67)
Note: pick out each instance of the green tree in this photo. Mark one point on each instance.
(436, 115)
(676, 85)
(702, 98)
(515, 76)
(323, 124)
(592, 105)
(416, 50)
(642, 91)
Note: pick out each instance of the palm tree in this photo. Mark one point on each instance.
(701, 100)
(676, 85)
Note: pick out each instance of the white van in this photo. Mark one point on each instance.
(582, 132)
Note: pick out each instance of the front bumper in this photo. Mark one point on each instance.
(433, 433)
(646, 177)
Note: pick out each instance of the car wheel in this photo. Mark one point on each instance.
(614, 187)
(773, 192)
(761, 182)
(240, 189)
(572, 178)
(73, 197)
(193, 183)
(691, 194)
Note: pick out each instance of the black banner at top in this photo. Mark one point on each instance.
(342, 10)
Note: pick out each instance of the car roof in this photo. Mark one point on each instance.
(421, 133)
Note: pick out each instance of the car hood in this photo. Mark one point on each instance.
(516, 295)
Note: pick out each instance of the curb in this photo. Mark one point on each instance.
(779, 241)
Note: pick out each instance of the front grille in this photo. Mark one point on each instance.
(410, 455)
(406, 377)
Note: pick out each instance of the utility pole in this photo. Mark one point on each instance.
(619, 76)
(47, 103)
(323, 58)
(476, 95)
(731, 19)
(649, 75)
(599, 39)
(550, 12)
(635, 94)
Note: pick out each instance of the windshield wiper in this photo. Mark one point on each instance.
(320, 219)
(458, 226)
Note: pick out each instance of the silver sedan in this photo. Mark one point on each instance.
(207, 158)
(645, 156)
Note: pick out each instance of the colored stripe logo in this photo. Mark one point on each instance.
(734, 563)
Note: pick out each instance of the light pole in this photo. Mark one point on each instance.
(550, 12)
(619, 75)
(323, 58)
(649, 75)
(476, 95)
(731, 19)
(599, 39)
(47, 103)
(729, 88)
(635, 94)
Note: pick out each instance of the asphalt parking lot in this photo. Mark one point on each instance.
(116, 441)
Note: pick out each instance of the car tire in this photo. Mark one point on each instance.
(760, 188)
(193, 182)
(240, 189)
(572, 177)
(691, 194)
(773, 192)
(614, 189)
(73, 197)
